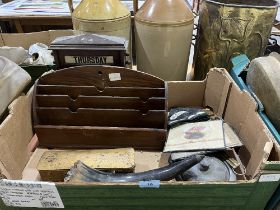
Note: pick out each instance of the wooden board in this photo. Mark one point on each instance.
(101, 117)
(74, 91)
(99, 76)
(100, 107)
(102, 102)
(54, 164)
(226, 196)
(97, 137)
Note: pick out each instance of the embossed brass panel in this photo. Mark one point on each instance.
(231, 27)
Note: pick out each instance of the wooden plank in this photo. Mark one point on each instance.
(135, 6)
(99, 76)
(54, 164)
(37, 17)
(75, 91)
(210, 196)
(275, 166)
(261, 194)
(18, 26)
(101, 117)
(100, 137)
(47, 21)
(104, 102)
(177, 196)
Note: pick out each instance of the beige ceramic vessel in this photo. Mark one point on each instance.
(163, 37)
(107, 17)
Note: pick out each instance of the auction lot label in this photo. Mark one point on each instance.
(19, 193)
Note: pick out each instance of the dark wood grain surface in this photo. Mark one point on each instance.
(101, 117)
(112, 137)
(105, 102)
(83, 107)
(98, 76)
(143, 93)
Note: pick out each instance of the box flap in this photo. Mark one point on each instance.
(3, 172)
(273, 162)
(15, 134)
(186, 92)
(217, 89)
(241, 114)
(26, 39)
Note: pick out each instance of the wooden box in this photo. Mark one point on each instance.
(88, 49)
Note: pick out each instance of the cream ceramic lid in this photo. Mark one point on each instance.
(100, 10)
(164, 12)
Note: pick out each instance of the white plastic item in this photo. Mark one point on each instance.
(13, 80)
(42, 55)
(15, 54)
(264, 79)
(36, 48)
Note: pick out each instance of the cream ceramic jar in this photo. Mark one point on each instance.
(163, 37)
(106, 17)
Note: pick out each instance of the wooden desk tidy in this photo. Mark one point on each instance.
(100, 107)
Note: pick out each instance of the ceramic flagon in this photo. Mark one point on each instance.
(163, 37)
(107, 17)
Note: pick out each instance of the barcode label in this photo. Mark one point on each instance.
(50, 204)
(18, 193)
(8, 183)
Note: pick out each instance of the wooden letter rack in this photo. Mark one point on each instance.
(100, 107)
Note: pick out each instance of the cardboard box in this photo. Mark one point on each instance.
(260, 154)
(15, 134)
(26, 39)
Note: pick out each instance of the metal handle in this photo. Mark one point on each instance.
(70, 5)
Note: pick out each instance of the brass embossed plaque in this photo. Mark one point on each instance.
(231, 27)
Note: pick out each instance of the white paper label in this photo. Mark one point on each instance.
(19, 193)
(269, 178)
(114, 76)
(149, 184)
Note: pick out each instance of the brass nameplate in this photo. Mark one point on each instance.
(89, 60)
